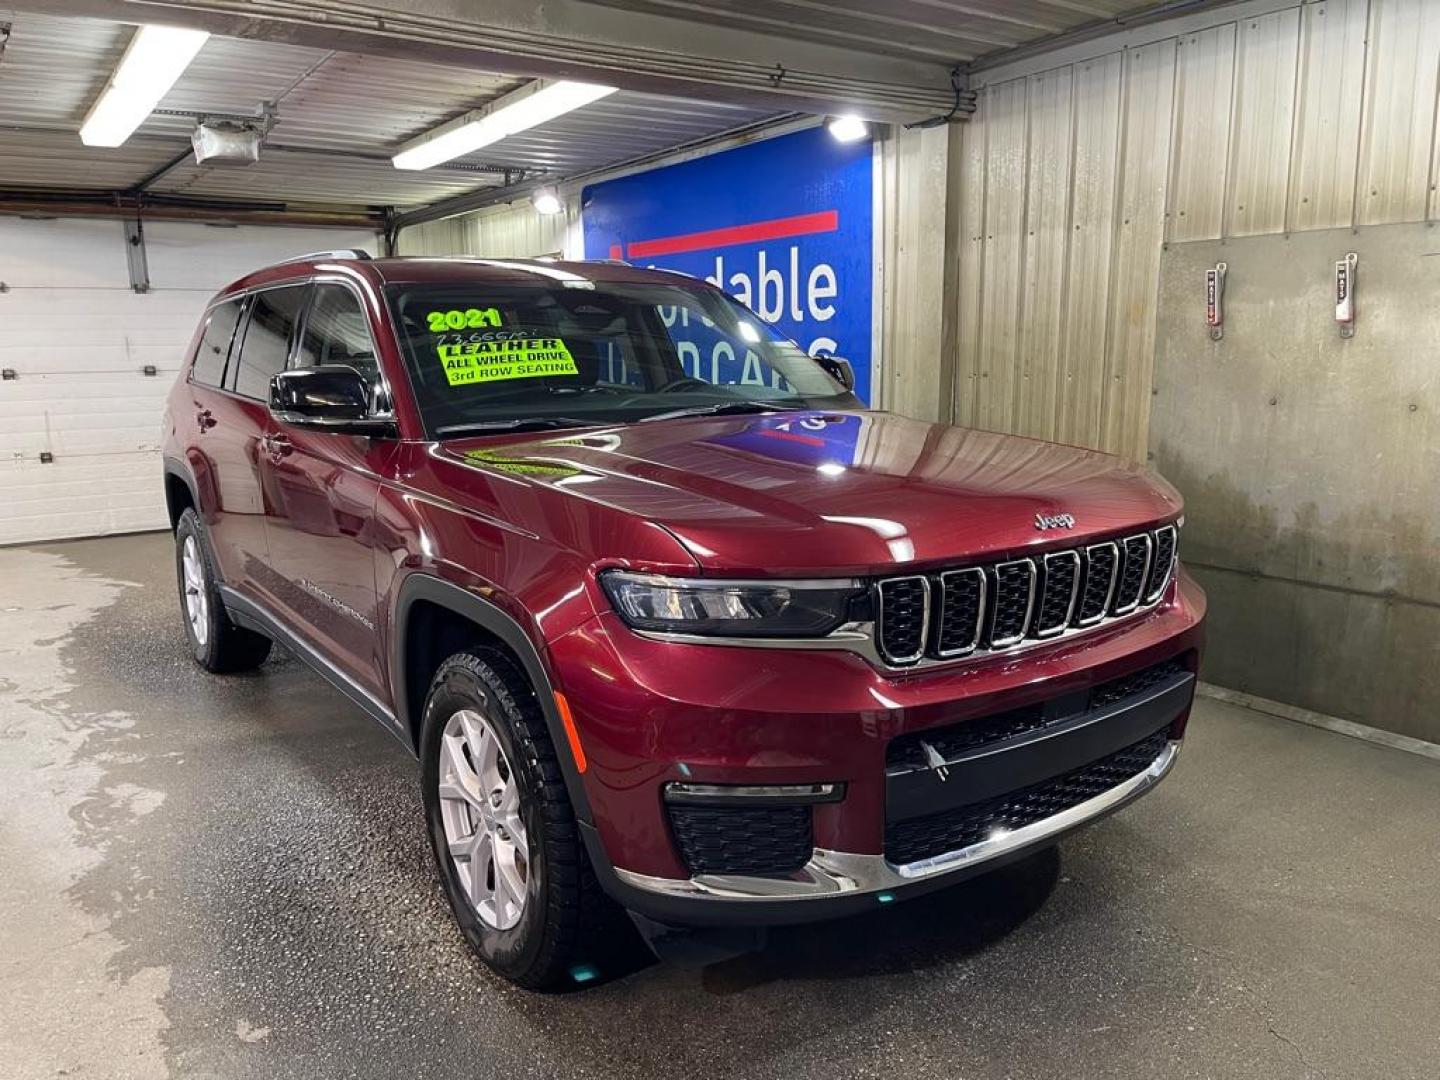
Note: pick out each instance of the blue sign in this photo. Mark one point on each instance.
(785, 225)
(807, 440)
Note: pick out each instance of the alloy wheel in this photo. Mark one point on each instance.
(481, 812)
(197, 597)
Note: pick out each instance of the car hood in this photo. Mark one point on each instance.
(817, 493)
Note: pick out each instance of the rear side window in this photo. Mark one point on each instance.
(268, 332)
(209, 367)
(337, 332)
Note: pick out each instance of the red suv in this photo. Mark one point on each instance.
(672, 621)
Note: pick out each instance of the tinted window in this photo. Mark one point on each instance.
(209, 368)
(337, 332)
(268, 331)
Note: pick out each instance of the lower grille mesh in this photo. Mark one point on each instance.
(1135, 683)
(743, 840)
(926, 837)
(908, 751)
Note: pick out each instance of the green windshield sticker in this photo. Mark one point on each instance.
(520, 466)
(456, 319)
(516, 358)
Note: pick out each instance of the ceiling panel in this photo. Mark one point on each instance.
(925, 30)
(359, 109)
(57, 159)
(51, 69)
(307, 177)
(351, 112)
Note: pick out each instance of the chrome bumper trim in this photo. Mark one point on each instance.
(832, 873)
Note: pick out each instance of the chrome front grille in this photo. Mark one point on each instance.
(1006, 605)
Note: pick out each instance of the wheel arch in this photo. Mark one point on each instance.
(180, 491)
(431, 618)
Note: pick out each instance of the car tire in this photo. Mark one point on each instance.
(488, 766)
(216, 643)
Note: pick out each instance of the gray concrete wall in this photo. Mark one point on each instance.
(1311, 467)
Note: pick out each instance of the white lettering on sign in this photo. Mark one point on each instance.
(783, 291)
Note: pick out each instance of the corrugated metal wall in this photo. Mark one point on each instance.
(914, 271)
(514, 231)
(1271, 118)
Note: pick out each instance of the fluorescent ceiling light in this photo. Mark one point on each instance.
(848, 128)
(546, 201)
(532, 104)
(155, 58)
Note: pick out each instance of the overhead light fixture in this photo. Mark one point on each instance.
(546, 200)
(532, 104)
(155, 58)
(847, 128)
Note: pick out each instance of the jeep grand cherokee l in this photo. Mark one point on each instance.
(672, 621)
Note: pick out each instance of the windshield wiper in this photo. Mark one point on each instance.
(722, 408)
(520, 423)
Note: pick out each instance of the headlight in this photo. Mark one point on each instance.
(730, 608)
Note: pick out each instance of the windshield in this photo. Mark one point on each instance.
(553, 354)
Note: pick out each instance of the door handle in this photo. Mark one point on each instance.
(205, 419)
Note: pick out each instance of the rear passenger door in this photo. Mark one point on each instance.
(321, 489)
(239, 419)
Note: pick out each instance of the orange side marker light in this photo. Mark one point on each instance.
(568, 719)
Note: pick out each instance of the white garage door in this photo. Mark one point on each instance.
(77, 340)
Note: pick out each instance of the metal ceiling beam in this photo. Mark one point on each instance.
(92, 204)
(159, 173)
(572, 39)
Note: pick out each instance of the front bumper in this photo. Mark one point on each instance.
(759, 718)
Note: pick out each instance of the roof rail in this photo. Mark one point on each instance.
(339, 253)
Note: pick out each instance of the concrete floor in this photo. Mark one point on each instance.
(227, 877)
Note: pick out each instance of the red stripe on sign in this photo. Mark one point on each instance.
(777, 229)
(774, 433)
(615, 252)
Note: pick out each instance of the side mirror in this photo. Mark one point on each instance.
(333, 398)
(839, 369)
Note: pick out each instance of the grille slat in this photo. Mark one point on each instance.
(1162, 564)
(1002, 606)
(1134, 566)
(904, 615)
(1014, 588)
(1057, 596)
(962, 610)
(1101, 563)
